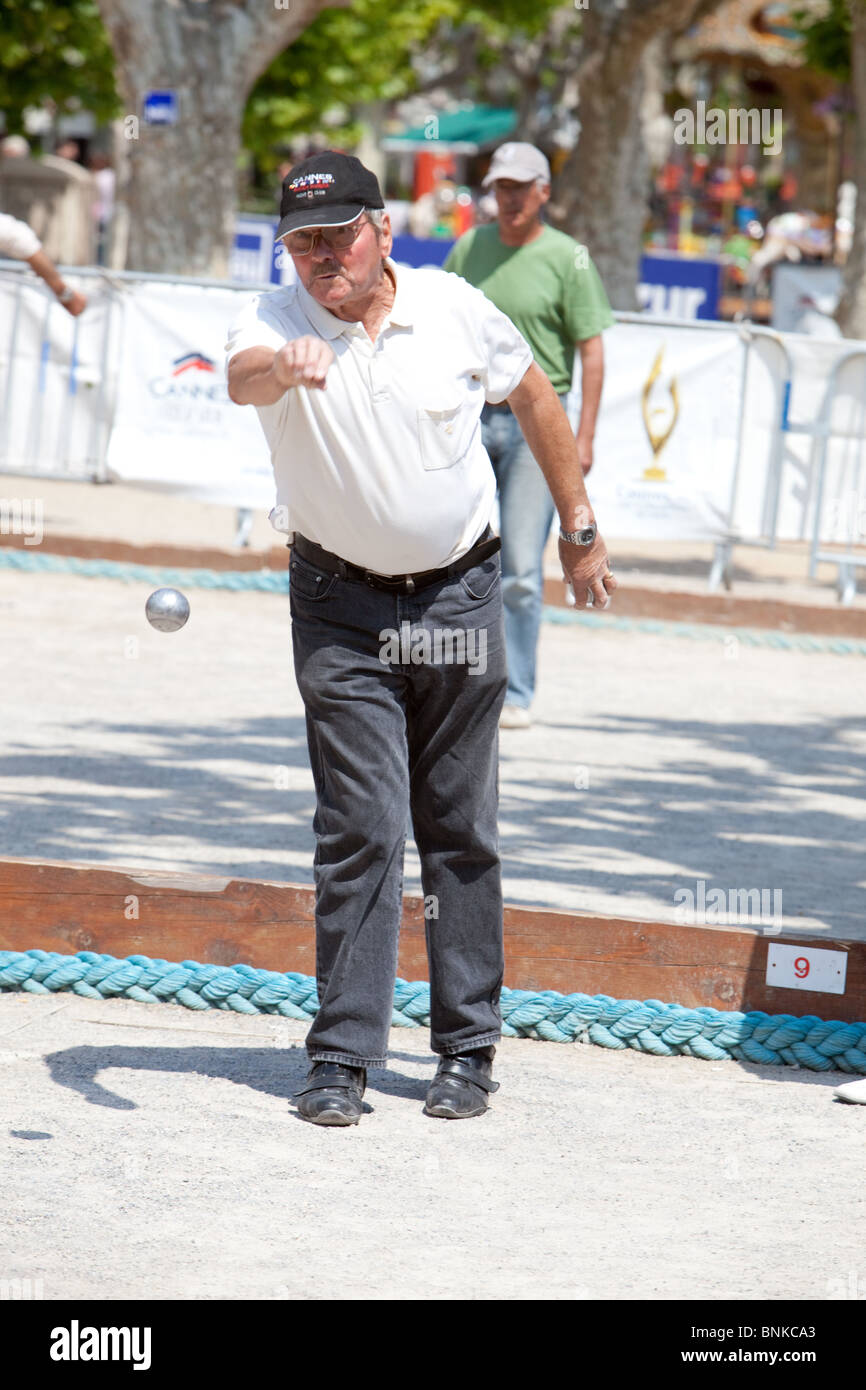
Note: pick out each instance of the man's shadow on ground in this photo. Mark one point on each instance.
(281, 1071)
(275, 1071)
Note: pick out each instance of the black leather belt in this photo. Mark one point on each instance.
(486, 545)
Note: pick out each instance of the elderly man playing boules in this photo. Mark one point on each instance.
(369, 379)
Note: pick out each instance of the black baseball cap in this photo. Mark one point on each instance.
(327, 190)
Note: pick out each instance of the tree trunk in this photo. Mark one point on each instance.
(179, 192)
(601, 194)
(602, 188)
(119, 235)
(851, 313)
(800, 92)
(371, 117)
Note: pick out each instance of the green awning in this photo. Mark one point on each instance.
(465, 132)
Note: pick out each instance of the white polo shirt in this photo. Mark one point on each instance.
(385, 467)
(18, 241)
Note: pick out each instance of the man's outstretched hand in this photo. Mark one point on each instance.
(303, 362)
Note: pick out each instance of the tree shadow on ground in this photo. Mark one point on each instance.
(639, 833)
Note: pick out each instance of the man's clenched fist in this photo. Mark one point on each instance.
(303, 362)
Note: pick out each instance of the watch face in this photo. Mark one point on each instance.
(587, 535)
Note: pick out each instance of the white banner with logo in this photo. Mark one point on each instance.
(666, 437)
(175, 427)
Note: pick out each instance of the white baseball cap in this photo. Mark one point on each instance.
(517, 161)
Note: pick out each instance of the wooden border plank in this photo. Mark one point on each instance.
(170, 556)
(69, 907)
(726, 610)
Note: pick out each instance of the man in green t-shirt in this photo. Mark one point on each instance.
(549, 288)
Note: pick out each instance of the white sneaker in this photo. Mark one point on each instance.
(852, 1090)
(514, 717)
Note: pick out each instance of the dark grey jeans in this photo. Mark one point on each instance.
(403, 695)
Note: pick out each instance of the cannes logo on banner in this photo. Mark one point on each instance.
(192, 385)
(193, 377)
(190, 360)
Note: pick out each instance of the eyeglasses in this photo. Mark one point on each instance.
(302, 242)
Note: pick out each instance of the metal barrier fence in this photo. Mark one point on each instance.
(768, 347)
(59, 375)
(840, 435)
(831, 485)
(59, 388)
(55, 381)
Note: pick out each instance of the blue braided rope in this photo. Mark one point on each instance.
(711, 632)
(665, 1030)
(271, 581)
(277, 582)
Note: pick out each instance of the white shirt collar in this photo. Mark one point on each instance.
(327, 325)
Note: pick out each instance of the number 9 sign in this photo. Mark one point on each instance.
(806, 967)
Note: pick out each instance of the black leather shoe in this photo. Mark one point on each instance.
(461, 1085)
(332, 1094)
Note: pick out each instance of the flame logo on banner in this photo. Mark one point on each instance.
(658, 439)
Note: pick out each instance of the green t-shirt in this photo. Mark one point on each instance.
(549, 288)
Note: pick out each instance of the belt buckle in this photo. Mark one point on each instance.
(397, 582)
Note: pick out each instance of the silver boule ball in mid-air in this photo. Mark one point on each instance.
(167, 609)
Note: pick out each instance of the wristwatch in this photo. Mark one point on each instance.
(66, 294)
(584, 537)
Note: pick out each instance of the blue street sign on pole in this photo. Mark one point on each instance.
(160, 108)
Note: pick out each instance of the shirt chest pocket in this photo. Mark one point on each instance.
(442, 434)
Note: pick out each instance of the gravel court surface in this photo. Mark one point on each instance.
(653, 762)
(151, 1153)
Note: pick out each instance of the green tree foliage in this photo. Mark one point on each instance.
(827, 38)
(377, 50)
(54, 51)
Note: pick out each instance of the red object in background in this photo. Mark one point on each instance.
(430, 169)
(670, 178)
(464, 213)
(748, 176)
(788, 191)
(725, 185)
(700, 165)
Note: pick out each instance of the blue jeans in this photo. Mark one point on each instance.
(393, 736)
(526, 511)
